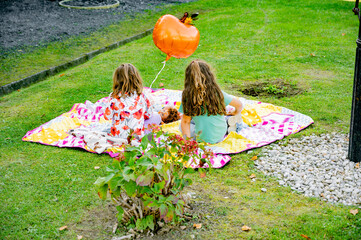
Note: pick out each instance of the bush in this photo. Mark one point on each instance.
(146, 182)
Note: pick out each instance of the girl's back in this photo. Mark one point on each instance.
(128, 106)
(127, 114)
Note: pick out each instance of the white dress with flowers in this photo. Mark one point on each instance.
(127, 115)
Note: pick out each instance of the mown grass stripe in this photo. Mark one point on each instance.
(40, 76)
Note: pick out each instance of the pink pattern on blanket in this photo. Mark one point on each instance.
(274, 127)
(218, 161)
(71, 141)
(89, 111)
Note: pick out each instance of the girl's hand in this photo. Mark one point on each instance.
(238, 106)
(231, 112)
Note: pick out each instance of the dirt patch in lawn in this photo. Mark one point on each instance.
(38, 22)
(278, 88)
(102, 223)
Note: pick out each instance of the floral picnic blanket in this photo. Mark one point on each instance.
(84, 127)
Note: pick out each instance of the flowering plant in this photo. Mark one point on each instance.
(146, 181)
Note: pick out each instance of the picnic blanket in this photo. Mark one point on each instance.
(85, 127)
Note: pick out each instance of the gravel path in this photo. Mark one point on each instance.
(316, 166)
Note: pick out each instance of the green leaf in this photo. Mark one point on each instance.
(102, 192)
(179, 210)
(163, 210)
(132, 150)
(188, 182)
(130, 188)
(158, 166)
(110, 176)
(115, 192)
(144, 142)
(128, 174)
(131, 161)
(162, 199)
(144, 161)
(139, 224)
(177, 182)
(115, 166)
(149, 221)
(145, 179)
(163, 172)
(189, 171)
(147, 200)
(120, 213)
(115, 182)
(131, 225)
(145, 189)
(181, 203)
(159, 133)
(173, 199)
(169, 216)
(152, 204)
(174, 148)
(100, 182)
(158, 187)
(151, 152)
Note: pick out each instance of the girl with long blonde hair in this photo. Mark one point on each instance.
(204, 105)
(128, 106)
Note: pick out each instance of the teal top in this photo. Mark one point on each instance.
(212, 128)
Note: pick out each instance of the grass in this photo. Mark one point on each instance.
(310, 43)
(22, 62)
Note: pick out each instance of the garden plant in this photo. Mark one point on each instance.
(49, 192)
(146, 182)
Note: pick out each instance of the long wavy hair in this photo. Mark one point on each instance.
(126, 81)
(201, 92)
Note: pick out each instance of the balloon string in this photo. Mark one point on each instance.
(158, 74)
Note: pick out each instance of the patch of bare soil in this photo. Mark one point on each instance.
(97, 223)
(26, 23)
(278, 88)
(102, 223)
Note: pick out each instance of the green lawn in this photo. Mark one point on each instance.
(309, 43)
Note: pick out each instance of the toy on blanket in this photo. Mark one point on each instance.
(98, 141)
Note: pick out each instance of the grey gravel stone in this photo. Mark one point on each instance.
(316, 166)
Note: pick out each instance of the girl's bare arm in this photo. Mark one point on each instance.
(237, 104)
(186, 125)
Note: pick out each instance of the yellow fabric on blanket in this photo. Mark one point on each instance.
(57, 130)
(233, 142)
(253, 113)
(47, 136)
(172, 127)
(264, 109)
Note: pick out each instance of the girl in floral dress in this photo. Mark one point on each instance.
(128, 106)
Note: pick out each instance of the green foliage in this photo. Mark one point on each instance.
(274, 89)
(146, 181)
(44, 187)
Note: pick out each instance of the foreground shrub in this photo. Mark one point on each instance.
(146, 182)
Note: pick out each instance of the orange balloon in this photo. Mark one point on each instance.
(175, 38)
